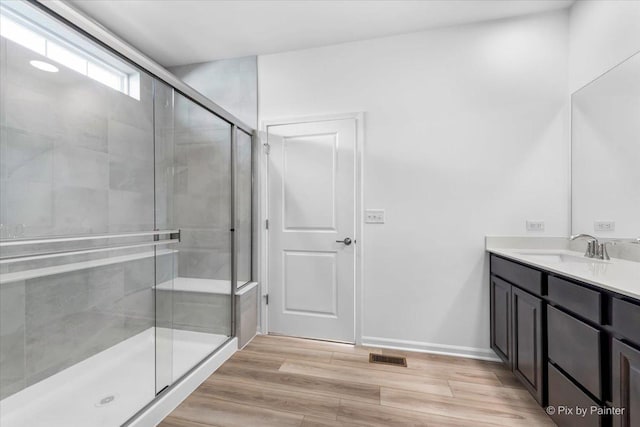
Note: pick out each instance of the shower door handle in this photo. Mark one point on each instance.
(346, 241)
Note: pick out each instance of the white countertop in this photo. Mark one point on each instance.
(617, 275)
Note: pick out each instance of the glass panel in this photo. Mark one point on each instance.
(76, 158)
(78, 331)
(167, 263)
(243, 207)
(166, 272)
(193, 150)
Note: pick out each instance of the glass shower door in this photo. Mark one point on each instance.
(193, 187)
(77, 250)
(243, 207)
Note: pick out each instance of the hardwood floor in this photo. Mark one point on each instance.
(281, 381)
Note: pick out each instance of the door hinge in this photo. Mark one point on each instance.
(266, 224)
(267, 149)
(266, 298)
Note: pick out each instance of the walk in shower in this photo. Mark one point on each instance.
(125, 212)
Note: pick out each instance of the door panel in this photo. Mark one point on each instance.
(309, 182)
(626, 384)
(501, 319)
(311, 294)
(311, 208)
(527, 341)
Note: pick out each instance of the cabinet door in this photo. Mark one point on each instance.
(626, 384)
(501, 319)
(527, 341)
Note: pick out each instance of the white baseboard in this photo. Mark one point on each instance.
(423, 347)
(155, 413)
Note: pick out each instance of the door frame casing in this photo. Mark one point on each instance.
(263, 270)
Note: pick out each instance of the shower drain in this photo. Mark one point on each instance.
(106, 400)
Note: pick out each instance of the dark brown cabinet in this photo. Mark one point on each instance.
(527, 361)
(501, 318)
(516, 322)
(625, 365)
(572, 344)
(564, 393)
(576, 348)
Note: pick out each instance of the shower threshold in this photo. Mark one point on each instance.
(108, 388)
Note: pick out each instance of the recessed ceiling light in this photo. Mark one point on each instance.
(44, 66)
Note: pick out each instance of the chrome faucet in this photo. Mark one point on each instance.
(601, 250)
(595, 249)
(592, 244)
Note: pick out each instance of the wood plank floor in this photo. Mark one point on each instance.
(281, 381)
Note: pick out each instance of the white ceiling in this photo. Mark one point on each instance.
(176, 32)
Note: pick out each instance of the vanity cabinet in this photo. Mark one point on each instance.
(571, 344)
(516, 322)
(526, 322)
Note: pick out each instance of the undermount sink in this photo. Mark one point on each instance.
(561, 257)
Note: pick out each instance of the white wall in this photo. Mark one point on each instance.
(466, 135)
(602, 34)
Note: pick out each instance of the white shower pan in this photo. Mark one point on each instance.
(106, 389)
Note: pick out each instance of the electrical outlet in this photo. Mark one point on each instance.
(536, 226)
(374, 216)
(604, 226)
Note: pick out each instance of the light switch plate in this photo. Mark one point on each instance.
(535, 226)
(604, 226)
(374, 216)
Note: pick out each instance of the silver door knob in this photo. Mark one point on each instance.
(346, 241)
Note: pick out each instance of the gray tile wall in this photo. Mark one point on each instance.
(12, 336)
(247, 316)
(193, 178)
(196, 311)
(231, 83)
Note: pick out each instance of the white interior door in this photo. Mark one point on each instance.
(312, 229)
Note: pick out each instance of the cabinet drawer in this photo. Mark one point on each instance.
(625, 319)
(575, 347)
(564, 394)
(582, 301)
(519, 275)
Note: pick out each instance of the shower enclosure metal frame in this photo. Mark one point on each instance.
(94, 31)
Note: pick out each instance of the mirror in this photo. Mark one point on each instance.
(605, 154)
